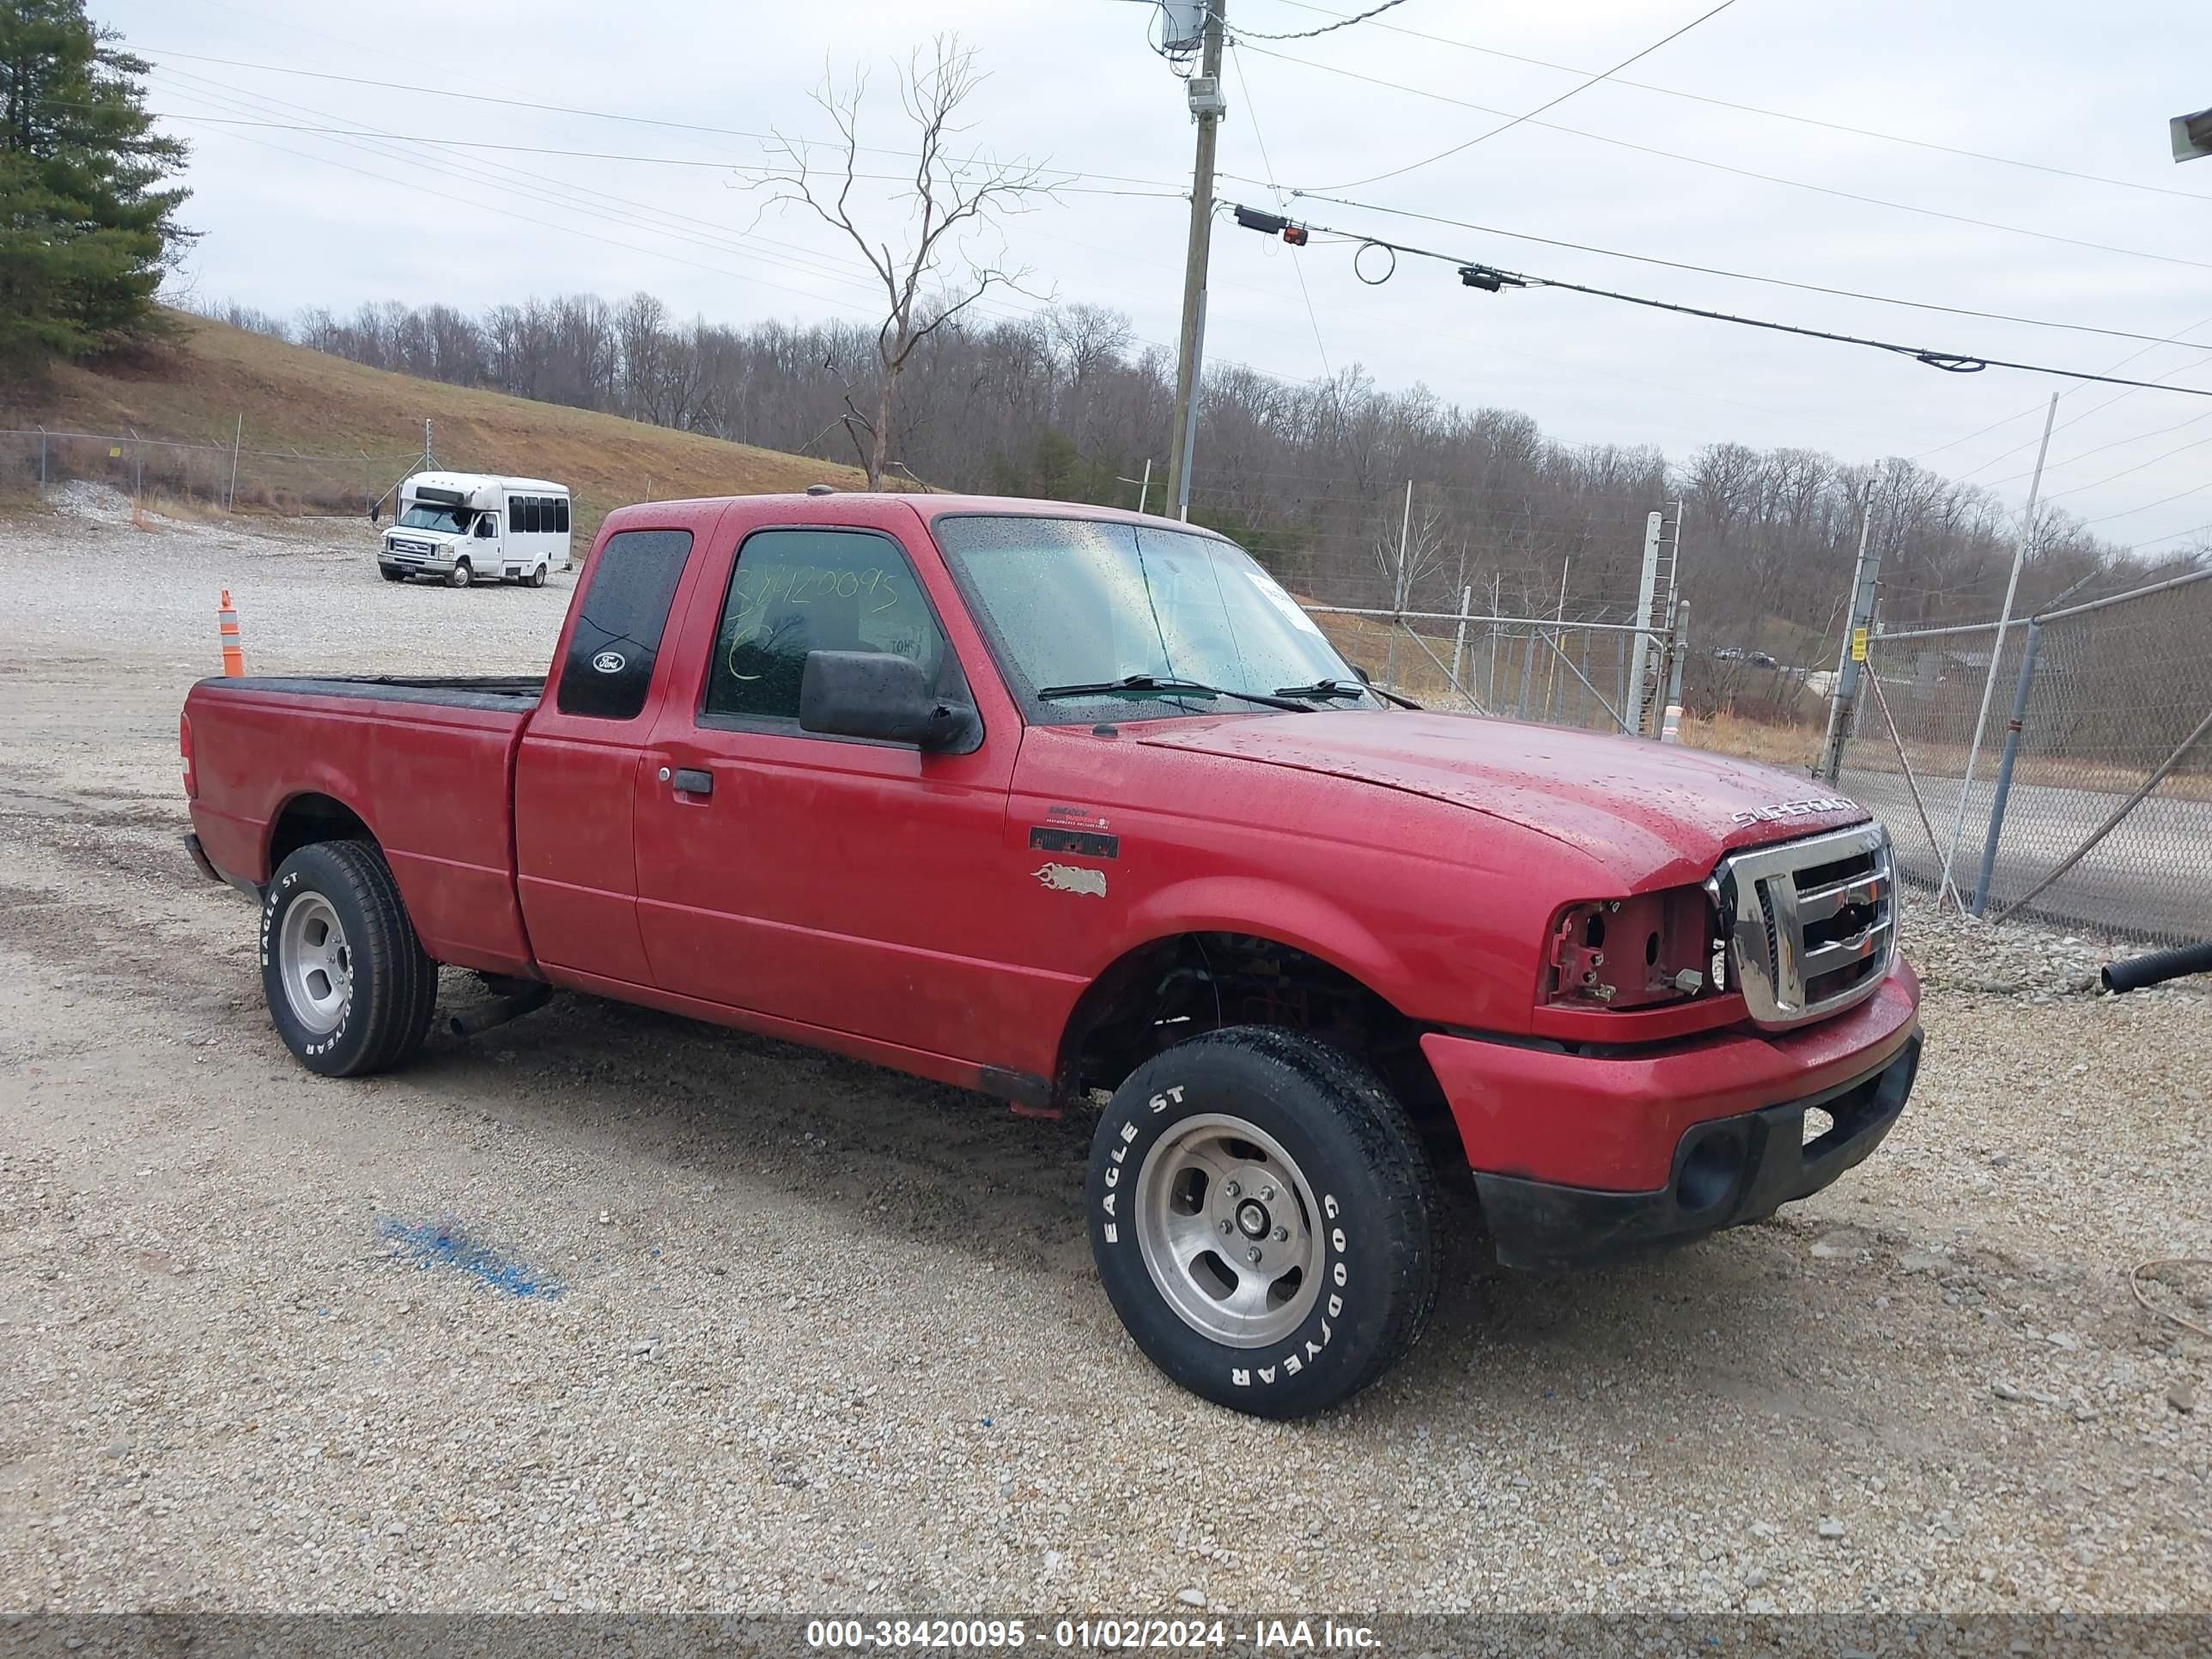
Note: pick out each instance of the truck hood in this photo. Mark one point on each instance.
(1640, 808)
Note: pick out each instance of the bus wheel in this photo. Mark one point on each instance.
(462, 576)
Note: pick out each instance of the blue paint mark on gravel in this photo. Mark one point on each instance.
(443, 1244)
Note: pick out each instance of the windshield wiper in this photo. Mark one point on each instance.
(1170, 685)
(1325, 690)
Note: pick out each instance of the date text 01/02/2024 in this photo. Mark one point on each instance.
(1089, 1635)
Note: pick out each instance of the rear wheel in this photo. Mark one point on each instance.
(347, 984)
(537, 577)
(462, 574)
(1262, 1215)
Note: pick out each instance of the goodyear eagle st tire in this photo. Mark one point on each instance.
(1263, 1218)
(347, 984)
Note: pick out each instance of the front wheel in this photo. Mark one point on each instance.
(462, 576)
(1262, 1214)
(347, 984)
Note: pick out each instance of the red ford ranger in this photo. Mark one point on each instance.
(1066, 804)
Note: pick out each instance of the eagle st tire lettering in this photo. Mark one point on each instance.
(1187, 1122)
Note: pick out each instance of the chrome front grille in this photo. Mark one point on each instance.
(1811, 925)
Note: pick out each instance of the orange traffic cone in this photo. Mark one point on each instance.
(226, 628)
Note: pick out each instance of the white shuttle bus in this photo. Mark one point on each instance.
(468, 527)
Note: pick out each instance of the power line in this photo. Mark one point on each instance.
(2173, 536)
(2128, 513)
(614, 156)
(1554, 103)
(1479, 274)
(1771, 114)
(2175, 338)
(558, 193)
(2083, 455)
(2094, 409)
(1326, 29)
(388, 87)
(551, 191)
(2127, 471)
(1724, 166)
(1739, 275)
(1237, 61)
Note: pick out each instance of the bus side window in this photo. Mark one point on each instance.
(560, 515)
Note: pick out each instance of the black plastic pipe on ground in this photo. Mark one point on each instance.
(2138, 971)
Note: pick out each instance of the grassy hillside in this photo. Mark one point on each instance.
(355, 425)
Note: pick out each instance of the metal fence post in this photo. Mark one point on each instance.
(1843, 695)
(1678, 648)
(42, 461)
(2004, 766)
(1459, 634)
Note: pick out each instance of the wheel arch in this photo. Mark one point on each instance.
(1177, 985)
(311, 816)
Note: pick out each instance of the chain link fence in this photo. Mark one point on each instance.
(2090, 803)
(226, 476)
(1559, 670)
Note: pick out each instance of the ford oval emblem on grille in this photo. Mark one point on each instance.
(611, 662)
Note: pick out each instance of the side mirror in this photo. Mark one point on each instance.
(1365, 678)
(879, 694)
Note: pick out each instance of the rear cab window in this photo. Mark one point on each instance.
(620, 623)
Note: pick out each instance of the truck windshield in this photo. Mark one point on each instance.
(453, 520)
(1079, 603)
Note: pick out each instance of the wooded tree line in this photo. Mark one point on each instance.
(1312, 477)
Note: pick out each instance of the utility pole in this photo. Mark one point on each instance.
(1845, 694)
(1207, 103)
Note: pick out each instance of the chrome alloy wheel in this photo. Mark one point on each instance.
(1225, 1222)
(314, 964)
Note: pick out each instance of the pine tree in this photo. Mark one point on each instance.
(87, 224)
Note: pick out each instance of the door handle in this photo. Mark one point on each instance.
(692, 781)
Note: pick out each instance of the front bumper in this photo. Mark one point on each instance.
(1725, 1171)
(438, 563)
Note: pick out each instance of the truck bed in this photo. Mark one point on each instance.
(425, 763)
(501, 692)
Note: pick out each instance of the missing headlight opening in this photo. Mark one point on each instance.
(1671, 950)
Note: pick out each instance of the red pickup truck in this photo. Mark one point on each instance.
(1068, 806)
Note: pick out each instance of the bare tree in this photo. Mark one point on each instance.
(1408, 552)
(931, 271)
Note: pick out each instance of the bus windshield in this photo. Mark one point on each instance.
(453, 520)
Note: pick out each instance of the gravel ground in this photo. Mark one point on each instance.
(607, 1310)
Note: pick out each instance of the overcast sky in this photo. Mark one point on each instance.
(293, 218)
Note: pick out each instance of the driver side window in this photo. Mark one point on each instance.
(487, 527)
(797, 591)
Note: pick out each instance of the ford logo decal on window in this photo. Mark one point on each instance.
(611, 662)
